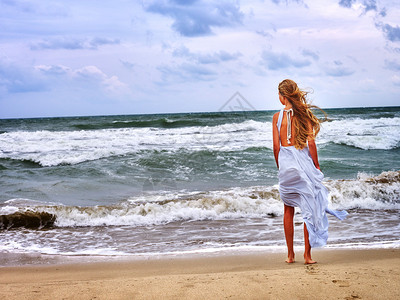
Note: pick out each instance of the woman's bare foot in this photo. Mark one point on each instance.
(290, 259)
(309, 261)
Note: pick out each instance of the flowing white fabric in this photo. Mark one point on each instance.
(300, 185)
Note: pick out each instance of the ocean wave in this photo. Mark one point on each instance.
(52, 148)
(380, 192)
(366, 134)
(156, 123)
(6, 163)
(367, 192)
(155, 209)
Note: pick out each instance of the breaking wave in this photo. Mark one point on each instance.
(157, 123)
(52, 148)
(366, 134)
(365, 192)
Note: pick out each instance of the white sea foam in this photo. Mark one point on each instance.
(157, 209)
(231, 220)
(374, 193)
(215, 249)
(379, 192)
(383, 133)
(366, 245)
(8, 210)
(22, 247)
(50, 148)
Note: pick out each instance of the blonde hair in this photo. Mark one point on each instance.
(302, 114)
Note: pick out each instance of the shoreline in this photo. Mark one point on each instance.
(339, 274)
(33, 259)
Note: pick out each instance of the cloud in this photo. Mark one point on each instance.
(85, 77)
(182, 52)
(38, 8)
(19, 6)
(198, 72)
(18, 79)
(392, 65)
(114, 85)
(337, 69)
(127, 64)
(69, 43)
(99, 41)
(346, 3)
(264, 34)
(225, 56)
(53, 70)
(370, 5)
(187, 72)
(392, 33)
(382, 13)
(94, 75)
(367, 5)
(212, 58)
(184, 2)
(196, 18)
(275, 61)
(309, 53)
(396, 80)
(287, 1)
(90, 73)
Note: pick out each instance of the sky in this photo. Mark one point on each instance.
(85, 57)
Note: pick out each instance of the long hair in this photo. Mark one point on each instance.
(302, 114)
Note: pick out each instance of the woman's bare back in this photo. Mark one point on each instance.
(283, 131)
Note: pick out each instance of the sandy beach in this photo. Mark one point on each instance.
(340, 274)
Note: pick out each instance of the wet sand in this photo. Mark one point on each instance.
(340, 274)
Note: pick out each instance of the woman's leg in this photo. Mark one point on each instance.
(307, 248)
(289, 231)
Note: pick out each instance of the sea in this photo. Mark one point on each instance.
(156, 185)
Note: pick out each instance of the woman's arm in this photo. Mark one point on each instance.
(312, 147)
(275, 138)
(313, 152)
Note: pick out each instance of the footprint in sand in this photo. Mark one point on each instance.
(312, 269)
(341, 283)
(352, 297)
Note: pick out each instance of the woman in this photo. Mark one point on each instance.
(300, 179)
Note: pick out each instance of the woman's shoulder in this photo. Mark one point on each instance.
(276, 116)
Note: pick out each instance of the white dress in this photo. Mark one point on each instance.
(300, 185)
